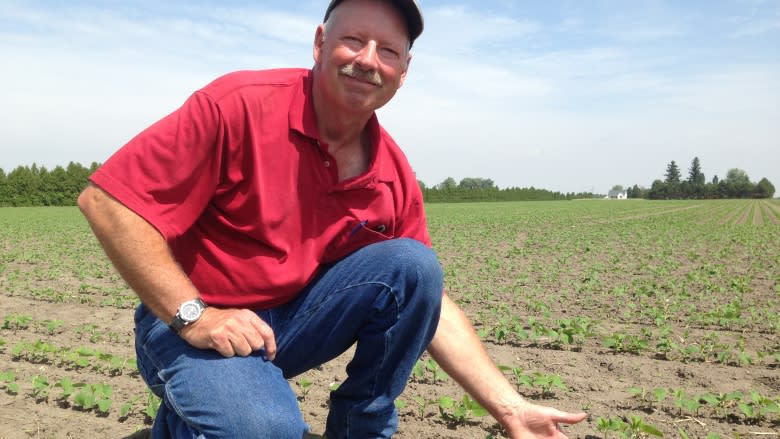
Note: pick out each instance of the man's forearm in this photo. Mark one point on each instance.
(138, 252)
(459, 351)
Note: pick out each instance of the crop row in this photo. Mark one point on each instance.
(67, 393)
(572, 334)
(82, 357)
(15, 322)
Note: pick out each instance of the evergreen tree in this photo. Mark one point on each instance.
(695, 176)
(672, 173)
(695, 187)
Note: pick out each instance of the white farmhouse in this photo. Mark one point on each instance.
(618, 195)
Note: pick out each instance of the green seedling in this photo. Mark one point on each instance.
(68, 387)
(649, 397)
(422, 405)
(607, 425)
(41, 388)
(547, 383)
(519, 378)
(15, 322)
(436, 372)
(460, 412)
(8, 381)
(152, 404)
(127, 408)
(305, 386)
(621, 342)
(51, 326)
(636, 428)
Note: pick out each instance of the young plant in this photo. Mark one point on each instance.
(607, 425)
(460, 412)
(41, 388)
(8, 380)
(547, 382)
(68, 388)
(422, 405)
(152, 404)
(305, 386)
(15, 322)
(636, 428)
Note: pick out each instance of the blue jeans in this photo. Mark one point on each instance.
(385, 296)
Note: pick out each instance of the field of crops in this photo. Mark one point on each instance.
(654, 317)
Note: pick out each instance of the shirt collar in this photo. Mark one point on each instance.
(303, 118)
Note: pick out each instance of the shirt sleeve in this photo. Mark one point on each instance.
(169, 172)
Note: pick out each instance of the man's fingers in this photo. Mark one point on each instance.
(569, 418)
(232, 332)
(268, 339)
(241, 346)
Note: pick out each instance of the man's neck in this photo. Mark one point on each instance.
(339, 129)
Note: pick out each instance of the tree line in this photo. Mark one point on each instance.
(737, 184)
(472, 189)
(37, 186)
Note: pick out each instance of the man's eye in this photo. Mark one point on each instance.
(390, 53)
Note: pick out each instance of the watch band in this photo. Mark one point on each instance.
(180, 321)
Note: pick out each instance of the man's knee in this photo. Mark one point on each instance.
(413, 258)
(242, 397)
(419, 269)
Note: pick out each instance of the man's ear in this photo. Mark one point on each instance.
(406, 69)
(319, 40)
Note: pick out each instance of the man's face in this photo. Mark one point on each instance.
(361, 55)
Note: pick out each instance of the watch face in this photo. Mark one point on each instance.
(190, 311)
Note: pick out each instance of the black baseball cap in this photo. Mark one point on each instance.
(410, 10)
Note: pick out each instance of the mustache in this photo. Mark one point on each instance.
(356, 72)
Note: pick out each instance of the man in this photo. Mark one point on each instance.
(269, 224)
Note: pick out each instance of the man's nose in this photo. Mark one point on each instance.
(367, 57)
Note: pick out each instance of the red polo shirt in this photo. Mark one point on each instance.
(247, 197)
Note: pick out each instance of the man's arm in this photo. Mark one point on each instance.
(459, 351)
(143, 258)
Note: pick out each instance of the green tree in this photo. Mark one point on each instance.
(672, 173)
(658, 191)
(737, 176)
(738, 184)
(695, 176)
(672, 180)
(476, 183)
(695, 188)
(448, 184)
(765, 189)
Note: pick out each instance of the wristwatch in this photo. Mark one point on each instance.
(188, 313)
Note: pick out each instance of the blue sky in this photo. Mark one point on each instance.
(563, 95)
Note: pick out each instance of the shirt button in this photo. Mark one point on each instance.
(327, 164)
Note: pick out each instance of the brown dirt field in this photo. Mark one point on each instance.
(597, 382)
(528, 272)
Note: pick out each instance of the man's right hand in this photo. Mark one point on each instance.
(231, 332)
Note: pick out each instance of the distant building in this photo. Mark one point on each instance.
(618, 195)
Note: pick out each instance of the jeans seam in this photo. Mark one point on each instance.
(381, 364)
